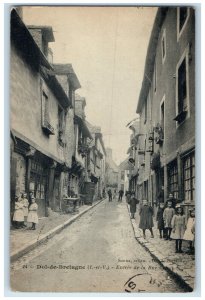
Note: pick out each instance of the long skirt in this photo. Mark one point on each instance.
(32, 217)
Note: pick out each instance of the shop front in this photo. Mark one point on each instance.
(38, 183)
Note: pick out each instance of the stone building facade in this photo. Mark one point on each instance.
(96, 160)
(42, 118)
(165, 143)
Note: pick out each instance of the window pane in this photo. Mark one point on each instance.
(182, 86)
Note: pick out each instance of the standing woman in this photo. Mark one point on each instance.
(33, 214)
(18, 217)
(146, 218)
(133, 205)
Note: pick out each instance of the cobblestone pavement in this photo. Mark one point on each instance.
(96, 253)
(183, 264)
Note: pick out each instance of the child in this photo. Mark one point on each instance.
(25, 207)
(32, 214)
(146, 218)
(167, 216)
(178, 228)
(160, 220)
(18, 217)
(188, 235)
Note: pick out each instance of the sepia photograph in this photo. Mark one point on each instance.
(102, 149)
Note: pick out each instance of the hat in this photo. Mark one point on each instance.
(178, 206)
(192, 209)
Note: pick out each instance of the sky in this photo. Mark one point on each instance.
(107, 48)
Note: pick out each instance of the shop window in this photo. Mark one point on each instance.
(189, 177)
(173, 179)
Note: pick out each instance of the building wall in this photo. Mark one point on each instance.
(20, 173)
(25, 95)
(178, 138)
(175, 135)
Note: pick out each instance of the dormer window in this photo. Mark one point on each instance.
(42, 35)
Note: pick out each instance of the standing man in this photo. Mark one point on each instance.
(133, 205)
(121, 193)
(110, 195)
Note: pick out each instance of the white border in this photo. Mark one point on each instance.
(200, 108)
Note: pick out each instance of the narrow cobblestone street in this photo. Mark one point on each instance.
(100, 250)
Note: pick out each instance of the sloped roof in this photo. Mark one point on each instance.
(124, 165)
(93, 128)
(96, 131)
(67, 69)
(110, 161)
(82, 123)
(24, 41)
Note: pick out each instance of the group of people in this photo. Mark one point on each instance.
(172, 224)
(25, 211)
(171, 221)
(113, 195)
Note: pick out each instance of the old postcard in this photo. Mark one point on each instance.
(102, 149)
